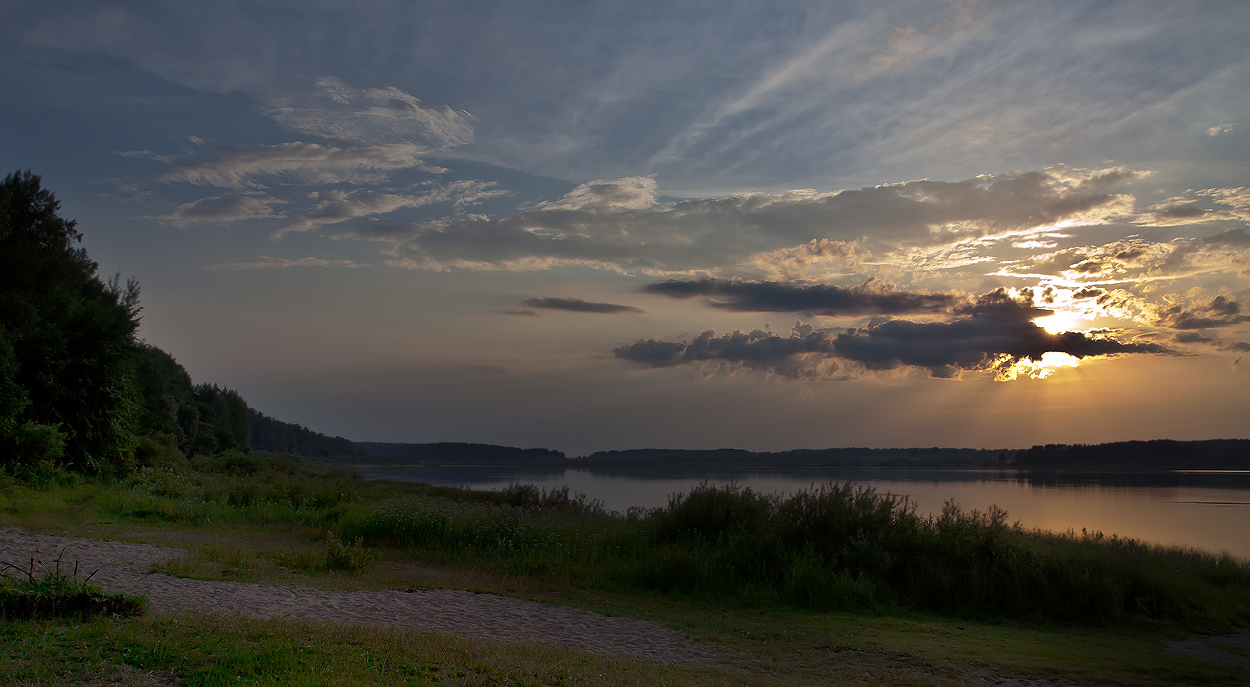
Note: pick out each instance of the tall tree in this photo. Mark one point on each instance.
(67, 338)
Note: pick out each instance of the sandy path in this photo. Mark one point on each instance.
(124, 567)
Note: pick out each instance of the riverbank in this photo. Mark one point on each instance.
(749, 641)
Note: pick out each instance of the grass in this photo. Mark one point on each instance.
(197, 650)
(827, 587)
(26, 593)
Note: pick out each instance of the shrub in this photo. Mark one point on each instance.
(348, 557)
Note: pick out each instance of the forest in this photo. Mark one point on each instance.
(78, 389)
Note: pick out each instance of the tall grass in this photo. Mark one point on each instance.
(836, 546)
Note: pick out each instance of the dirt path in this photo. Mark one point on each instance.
(124, 567)
(1229, 650)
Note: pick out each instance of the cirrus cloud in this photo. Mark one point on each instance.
(371, 115)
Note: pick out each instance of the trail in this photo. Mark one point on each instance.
(125, 567)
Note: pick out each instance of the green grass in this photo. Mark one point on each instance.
(27, 593)
(827, 587)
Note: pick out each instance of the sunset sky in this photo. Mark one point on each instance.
(592, 225)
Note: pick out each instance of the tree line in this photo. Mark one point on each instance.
(77, 389)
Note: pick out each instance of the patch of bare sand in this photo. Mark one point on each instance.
(124, 567)
(1229, 650)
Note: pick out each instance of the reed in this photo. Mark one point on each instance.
(830, 547)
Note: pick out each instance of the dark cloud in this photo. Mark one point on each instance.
(994, 332)
(1217, 312)
(816, 299)
(1231, 238)
(1192, 337)
(523, 312)
(801, 354)
(579, 305)
(1088, 292)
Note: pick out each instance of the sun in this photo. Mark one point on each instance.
(1060, 322)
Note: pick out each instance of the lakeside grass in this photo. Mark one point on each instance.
(266, 518)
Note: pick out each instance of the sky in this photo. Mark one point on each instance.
(608, 225)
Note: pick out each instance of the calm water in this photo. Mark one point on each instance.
(1203, 509)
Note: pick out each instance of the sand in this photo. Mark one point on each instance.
(125, 567)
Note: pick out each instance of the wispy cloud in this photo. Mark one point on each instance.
(388, 115)
(297, 162)
(617, 225)
(222, 210)
(335, 206)
(265, 262)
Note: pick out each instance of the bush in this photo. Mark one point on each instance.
(348, 557)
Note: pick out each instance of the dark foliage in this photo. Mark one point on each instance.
(269, 434)
(222, 420)
(67, 341)
(1161, 454)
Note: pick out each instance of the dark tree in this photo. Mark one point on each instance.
(67, 339)
(222, 420)
(269, 434)
(169, 405)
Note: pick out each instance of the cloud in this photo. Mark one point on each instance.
(994, 333)
(1139, 260)
(304, 163)
(266, 262)
(815, 259)
(869, 298)
(1217, 312)
(630, 193)
(1180, 213)
(221, 210)
(1192, 337)
(804, 353)
(579, 305)
(335, 206)
(371, 115)
(522, 312)
(616, 225)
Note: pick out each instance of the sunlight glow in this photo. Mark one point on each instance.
(1009, 370)
(1059, 322)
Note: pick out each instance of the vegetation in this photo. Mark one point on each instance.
(837, 547)
(66, 339)
(77, 390)
(200, 651)
(270, 518)
(269, 434)
(54, 593)
(1158, 454)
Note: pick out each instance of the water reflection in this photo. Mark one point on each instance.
(1209, 510)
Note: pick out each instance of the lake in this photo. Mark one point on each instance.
(1208, 510)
